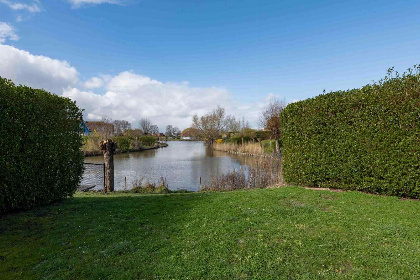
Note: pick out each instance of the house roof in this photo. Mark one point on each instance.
(100, 126)
(85, 128)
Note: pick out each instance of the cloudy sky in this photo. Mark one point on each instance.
(169, 59)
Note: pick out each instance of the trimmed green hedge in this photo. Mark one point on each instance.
(40, 139)
(364, 139)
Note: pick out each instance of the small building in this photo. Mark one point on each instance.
(86, 130)
(190, 134)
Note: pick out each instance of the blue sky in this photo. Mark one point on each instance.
(246, 50)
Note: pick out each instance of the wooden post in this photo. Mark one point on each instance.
(108, 148)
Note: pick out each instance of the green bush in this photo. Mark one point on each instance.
(238, 139)
(40, 137)
(263, 134)
(269, 146)
(123, 142)
(147, 140)
(364, 139)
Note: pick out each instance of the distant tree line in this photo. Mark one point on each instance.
(217, 125)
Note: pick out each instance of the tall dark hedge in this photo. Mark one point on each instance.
(364, 139)
(40, 156)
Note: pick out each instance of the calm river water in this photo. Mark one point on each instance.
(181, 164)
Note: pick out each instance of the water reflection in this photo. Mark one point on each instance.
(181, 164)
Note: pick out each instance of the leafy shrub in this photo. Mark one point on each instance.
(263, 134)
(364, 139)
(40, 157)
(91, 143)
(269, 146)
(238, 139)
(123, 142)
(147, 140)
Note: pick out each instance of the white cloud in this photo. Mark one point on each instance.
(127, 95)
(79, 3)
(94, 82)
(33, 8)
(35, 70)
(7, 32)
(131, 97)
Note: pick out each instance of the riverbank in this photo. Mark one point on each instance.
(265, 149)
(280, 233)
(118, 151)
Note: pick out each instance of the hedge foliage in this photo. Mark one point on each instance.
(40, 156)
(364, 139)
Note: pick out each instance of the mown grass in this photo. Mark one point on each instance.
(284, 233)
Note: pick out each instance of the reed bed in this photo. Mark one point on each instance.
(150, 187)
(266, 173)
(248, 148)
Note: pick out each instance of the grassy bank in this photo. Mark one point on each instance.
(285, 233)
(125, 144)
(98, 152)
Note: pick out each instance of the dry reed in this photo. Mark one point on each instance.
(249, 148)
(266, 173)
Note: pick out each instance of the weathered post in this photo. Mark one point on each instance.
(108, 147)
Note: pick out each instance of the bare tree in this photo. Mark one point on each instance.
(154, 129)
(270, 119)
(106, 119)
(232, 125)
(245, 124)
(145, 125)
(168, 132)
(176, 132)
(210, 125)
(120, 126)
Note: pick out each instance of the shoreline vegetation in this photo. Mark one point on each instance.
(263, 173)
(91, 153)
(125, 143)
(264, 149)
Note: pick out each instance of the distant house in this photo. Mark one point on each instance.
(158, 135)
(190, 134)
(86, 130)
(104, 129)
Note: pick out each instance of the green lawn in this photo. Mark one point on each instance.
(285, 233)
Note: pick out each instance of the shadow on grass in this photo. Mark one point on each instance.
(95, 236)
(261, 234)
